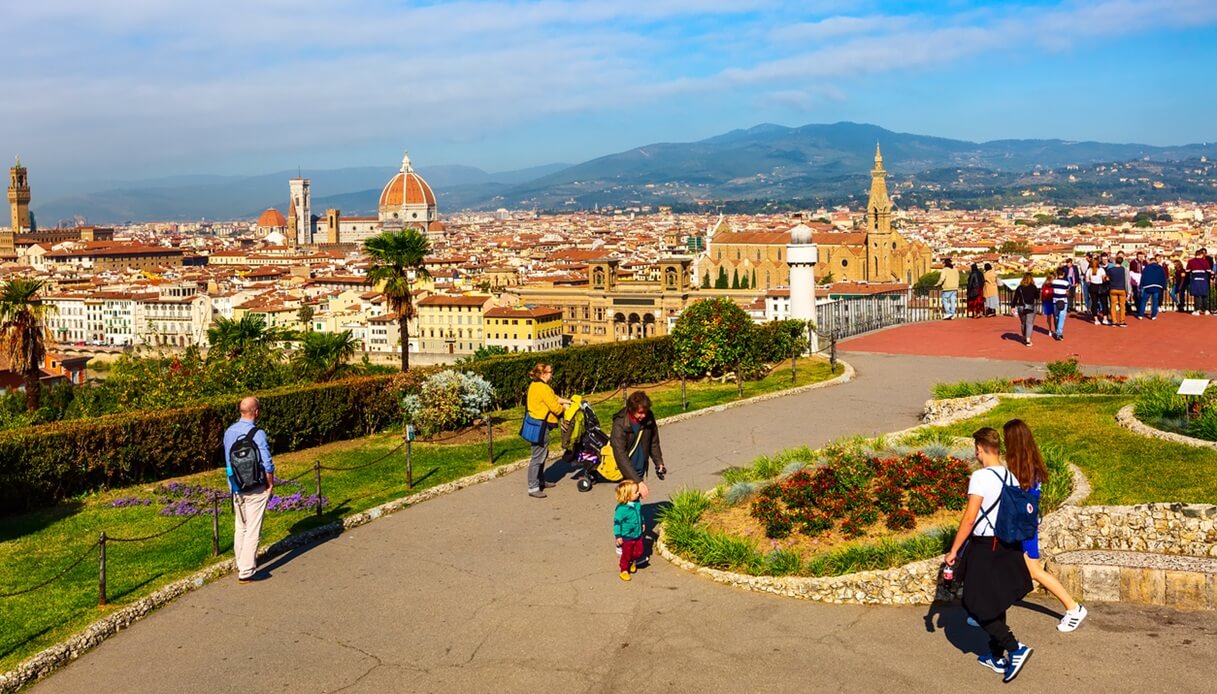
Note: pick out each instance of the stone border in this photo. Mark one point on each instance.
(1127, 418)
(47, 661)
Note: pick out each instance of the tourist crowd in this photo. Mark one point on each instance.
(1103, 287)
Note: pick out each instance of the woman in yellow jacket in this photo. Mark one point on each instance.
(546, 406)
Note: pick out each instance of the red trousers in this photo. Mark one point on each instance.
(631, 550)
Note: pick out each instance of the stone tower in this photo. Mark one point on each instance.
(880, 238)
(19, 197)
(301, 211)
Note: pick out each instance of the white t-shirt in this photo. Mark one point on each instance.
(988, 487)
(1094, 277)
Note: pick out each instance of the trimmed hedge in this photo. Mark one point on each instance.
(585, 369)
(45, 464)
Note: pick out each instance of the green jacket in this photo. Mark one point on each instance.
(627, 521)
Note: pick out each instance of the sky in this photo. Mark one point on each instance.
(114, 90)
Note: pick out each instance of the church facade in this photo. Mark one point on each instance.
(874, 253)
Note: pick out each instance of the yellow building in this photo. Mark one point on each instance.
(873, 253)
(451, 324)
(536, 329)
(605, 307)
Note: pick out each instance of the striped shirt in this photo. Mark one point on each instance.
(1060, 289)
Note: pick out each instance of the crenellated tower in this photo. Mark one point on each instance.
(19, 197)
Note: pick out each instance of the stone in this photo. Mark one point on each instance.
(1187, 589)
(1144, 586)
(1101, 583)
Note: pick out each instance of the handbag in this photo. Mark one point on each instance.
(533, 430)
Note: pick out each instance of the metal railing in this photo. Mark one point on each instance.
(854, 315)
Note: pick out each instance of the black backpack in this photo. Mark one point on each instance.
(245, 463)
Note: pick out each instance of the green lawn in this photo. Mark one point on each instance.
(36, 546)
(1123, 468)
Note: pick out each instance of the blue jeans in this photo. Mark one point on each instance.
(1060, 322)
(1154, 292)
(948, 302)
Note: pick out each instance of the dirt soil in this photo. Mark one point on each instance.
(735, 520)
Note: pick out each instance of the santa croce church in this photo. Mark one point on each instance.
(874, 253)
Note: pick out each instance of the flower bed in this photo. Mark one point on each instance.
(1159, 406)
(1063, 378)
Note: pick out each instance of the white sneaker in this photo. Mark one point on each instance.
(1072, 619)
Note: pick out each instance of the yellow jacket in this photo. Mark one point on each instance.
(543, 403)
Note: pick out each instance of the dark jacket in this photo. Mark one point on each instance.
(1153, 275)
(976, 284)
(622, 441)
(1026, 298)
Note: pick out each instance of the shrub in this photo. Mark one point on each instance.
(783, 562)
(712, 336)
(1063, 370)
(447, 401)
(901, 519)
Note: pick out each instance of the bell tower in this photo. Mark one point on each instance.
(879, 235)
(19, 197)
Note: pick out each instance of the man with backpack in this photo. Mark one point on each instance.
(251, 479)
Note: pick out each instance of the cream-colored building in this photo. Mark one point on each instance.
(533, 329)
(452, 324)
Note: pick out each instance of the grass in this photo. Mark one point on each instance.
(36, 546)
(1122, 467)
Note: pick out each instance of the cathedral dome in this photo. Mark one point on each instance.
(800, 234)
(406, 188)
(272, 219)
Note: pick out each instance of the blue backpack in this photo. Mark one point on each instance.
(1018, 512)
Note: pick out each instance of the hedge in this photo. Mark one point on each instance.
(52, 462)
(585, 369)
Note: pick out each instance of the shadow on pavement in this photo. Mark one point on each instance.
(951, 620)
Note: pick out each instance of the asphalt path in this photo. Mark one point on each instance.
(488, 590)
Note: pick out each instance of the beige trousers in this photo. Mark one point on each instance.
(248, 510)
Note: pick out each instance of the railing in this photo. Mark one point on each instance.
(855, 315)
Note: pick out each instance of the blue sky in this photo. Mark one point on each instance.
(132, 89)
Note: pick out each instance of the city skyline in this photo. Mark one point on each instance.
(258, 88)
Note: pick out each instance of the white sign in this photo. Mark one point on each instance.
(1193, 386)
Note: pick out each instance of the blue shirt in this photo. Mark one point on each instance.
(236, 431)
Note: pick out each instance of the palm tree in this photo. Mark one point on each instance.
(325, 355)
(232, 338)
(395, 255)
(23, 333)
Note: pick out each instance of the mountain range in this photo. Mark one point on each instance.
(819, 163)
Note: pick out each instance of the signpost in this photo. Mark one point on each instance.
(1193, 388)
(409, 456)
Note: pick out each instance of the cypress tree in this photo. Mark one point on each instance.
(743, 283)
(722, 278)
(705, 280)
(735, 278)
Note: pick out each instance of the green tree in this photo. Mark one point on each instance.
(395, 256)
(926, 282)
(322, 356)
(828, 278)
(754, 285)
(305, 316)
(23, 333)
(1014, 248)
(721, 283)
(705, 280)
(735, 278)
(710, 337)
(232, 338)
(483, 353)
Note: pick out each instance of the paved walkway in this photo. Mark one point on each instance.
(1174, 341)
(489, 590)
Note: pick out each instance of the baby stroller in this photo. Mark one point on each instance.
(588, 446)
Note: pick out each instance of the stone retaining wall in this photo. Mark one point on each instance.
(1176, 529)
(1150, 579)
(1127, 417)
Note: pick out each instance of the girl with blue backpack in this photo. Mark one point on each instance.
(1023, 458)
(994, 573)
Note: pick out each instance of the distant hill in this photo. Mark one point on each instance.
(772, 164)
(353, 190)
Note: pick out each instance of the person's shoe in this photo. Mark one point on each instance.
(549, 485)
(1153, 318)
(625, 575)
(633, 567)
(537, 494)
(1124, 325)
(1028, 343)
(661, 471)
(252, 578)
(1072, 619)
(1140, 318)
(997, 665)
(972, 622)
(1016, 660)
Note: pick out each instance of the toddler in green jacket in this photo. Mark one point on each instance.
(628, 527)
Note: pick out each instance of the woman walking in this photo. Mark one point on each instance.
(976, 292)
(1026, 463)
(1096, 288)
(1026, 298)
(994, 572)
(542, 405)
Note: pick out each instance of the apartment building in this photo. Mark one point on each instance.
(452, 324)
(535, 329)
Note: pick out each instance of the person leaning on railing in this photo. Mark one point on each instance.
(948, 280)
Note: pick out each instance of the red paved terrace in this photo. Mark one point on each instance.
(1174, 341)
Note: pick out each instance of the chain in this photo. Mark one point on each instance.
(57, 576)
(381, 459)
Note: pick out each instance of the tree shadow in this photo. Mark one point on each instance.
(13, 527)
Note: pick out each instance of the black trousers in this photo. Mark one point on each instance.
(1001, 639)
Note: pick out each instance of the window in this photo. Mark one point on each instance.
(844, 262)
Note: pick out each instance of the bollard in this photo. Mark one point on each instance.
(739, 382)
(625, 395)
(832, 352)
(409, 456)
(684, 402)
(490, 438)
(101, 570)
(215, 525)
(793, 375)
(317, 478)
